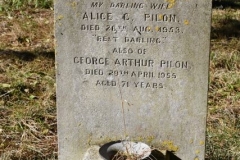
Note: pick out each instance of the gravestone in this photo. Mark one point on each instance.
(135, 70)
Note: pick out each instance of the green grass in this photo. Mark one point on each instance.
(27, 83)
(223, 126)
(10, 5)
(27, 94)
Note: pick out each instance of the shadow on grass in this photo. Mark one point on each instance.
(221, 4)
(26, 55)
(227, 28)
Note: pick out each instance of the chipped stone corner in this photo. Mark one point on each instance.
(92, 153)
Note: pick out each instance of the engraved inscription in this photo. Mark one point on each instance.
(159, 6)
(121, 5)
(133, 69)
(129, 65)
(134, 62)
(96, 4)
(154, 40)
(97, 16)
(160, 17)
(174, 64)
(91, 60)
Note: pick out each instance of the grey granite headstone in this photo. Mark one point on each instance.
(132, 69)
